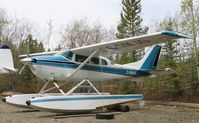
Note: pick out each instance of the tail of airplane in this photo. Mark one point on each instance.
(6, 60)
(149, 61)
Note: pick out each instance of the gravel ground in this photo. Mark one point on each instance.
(147, 114)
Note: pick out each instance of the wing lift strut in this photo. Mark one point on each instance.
(70, 75)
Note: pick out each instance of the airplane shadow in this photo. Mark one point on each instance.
(67, 115)
(27, 111)
(74, 115)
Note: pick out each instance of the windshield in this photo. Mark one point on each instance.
(112, 62)
(67, 54)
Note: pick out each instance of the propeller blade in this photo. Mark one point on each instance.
(22, 69)
(32, 68)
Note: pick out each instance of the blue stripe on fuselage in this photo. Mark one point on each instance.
(111, 70)
(88, 98)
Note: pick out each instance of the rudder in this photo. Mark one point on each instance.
(149, 61)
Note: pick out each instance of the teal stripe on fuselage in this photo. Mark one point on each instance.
(111, 70)
(51, 58)
(88, 98)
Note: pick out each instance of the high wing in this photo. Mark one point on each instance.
(122, 45)
(129, 44)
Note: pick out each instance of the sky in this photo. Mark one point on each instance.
(106, 12)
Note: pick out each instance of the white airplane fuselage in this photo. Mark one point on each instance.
(61, 65)
(95, 73)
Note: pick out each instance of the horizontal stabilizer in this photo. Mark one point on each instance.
(154, 73)
(166, 71)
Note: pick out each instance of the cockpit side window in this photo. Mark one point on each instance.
(95, 61)
(70, 55)
(80, 58)
(104, 62)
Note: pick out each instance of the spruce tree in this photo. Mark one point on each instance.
(131, 25)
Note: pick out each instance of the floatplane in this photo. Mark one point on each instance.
(86, 65)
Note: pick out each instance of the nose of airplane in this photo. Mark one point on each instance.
(25, 61)
(4, 99)
(28, 102)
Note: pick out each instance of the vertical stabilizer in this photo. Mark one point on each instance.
(149, 61)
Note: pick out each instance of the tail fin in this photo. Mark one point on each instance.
(149, 61)
(6, 59)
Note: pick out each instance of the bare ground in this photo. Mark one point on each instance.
(147, 114)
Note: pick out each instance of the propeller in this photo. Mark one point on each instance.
(26, 61)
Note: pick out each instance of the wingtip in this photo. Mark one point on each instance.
(175, 34)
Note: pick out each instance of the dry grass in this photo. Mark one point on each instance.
(147, 114)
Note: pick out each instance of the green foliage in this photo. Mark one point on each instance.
(127, 87)
(165, 88)
(190, 21)
(32, 46)
(184, 83)
(3, 18)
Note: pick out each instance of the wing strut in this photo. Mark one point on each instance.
(74, 71)
(44, 87)
(78, 85)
